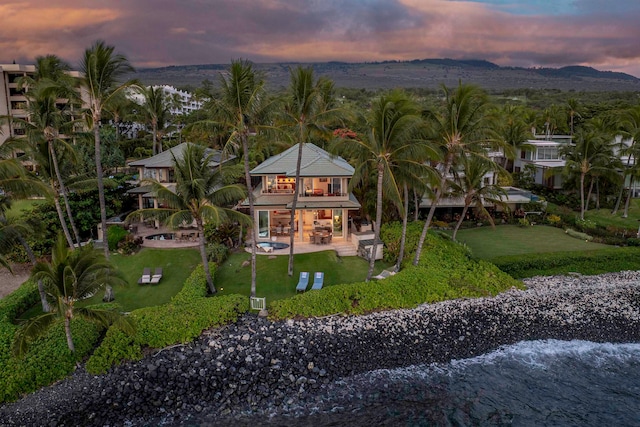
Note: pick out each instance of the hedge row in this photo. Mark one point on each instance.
(592, 262)
(49, 358)
(445, 272)
(181, 320)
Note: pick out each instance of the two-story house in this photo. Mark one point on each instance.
(542, 154)
(323, 197)
(161, 168)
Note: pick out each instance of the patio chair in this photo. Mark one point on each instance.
(318, 280)
(146, 276)
(157, 275)
(303, 282)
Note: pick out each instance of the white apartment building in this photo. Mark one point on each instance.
(13, 102)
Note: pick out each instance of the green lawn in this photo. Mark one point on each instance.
(488, 243)
(272, 279)
(603, 217)
(177, 265)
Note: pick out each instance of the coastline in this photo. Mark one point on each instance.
(255, 365)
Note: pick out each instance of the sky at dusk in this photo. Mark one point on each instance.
(603, 34)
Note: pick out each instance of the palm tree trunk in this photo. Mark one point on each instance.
(582, 196)
(293, 209)
(153, 131)
(405, 219)
(626, 203)
(416, 201)
(432, 210)
(32, 258)
(376, 232)
(459, 223)
(588, 199)
(619, 199)
(254, 236)
(203, 254)
(101, 196)
(63, 222)
(598, 194)
(67, 332)
(63, 191)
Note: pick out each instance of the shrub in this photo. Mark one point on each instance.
(115, 234)
(523, 222)
(217, 252)
(578, 235)
(130, 244)
(553, 220)
(633, 241)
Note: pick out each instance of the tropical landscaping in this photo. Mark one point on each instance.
(84, 300)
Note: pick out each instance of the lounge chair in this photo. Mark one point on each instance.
(303, 282)
(146, 276)
(318, 280)
(267, 249)
(156, 276)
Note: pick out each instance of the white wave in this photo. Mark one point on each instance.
(541, 354)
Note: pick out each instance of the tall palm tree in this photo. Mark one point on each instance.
(461, 128)
(591, 151)
(101, 70)
(394, 128)
(306, 113)
(470, 185)
(154, 110)
(513, 131)
(43, 129)
(630, 128)
(573, 108)
(71, 276)
(241, 112)
(198, 196)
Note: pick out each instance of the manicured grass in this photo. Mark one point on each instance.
(272, 280)
(488, 243)
(604, 218)
(177, 265)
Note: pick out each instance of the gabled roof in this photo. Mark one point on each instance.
(315, 162)
(165, 159)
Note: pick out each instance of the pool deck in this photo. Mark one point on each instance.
(342, 247)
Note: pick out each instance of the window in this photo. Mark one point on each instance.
(548, 153)
(263, 224)
(337, 222)
(335, 186)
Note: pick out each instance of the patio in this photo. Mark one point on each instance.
(342, 247)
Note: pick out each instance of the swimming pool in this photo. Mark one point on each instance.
(162, 236)
(274, 245)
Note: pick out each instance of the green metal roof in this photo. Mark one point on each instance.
(316, 162)
(165, 159)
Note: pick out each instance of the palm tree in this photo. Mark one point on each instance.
(393, 138)
(630, 128)
(198, 196)
(154, 110)
(71, 276)
(43, 133)
(101, 69)
(470, 185)
(240, 111)
(591, 151)
(573, 107)
(461, 128)
(306, 112)
(513, 131)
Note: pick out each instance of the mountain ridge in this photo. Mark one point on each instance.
(428, 73)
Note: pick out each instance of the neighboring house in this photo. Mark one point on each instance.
(161, 168)
(627, 161)
(541, 155)
(514, 200)
(323, 197)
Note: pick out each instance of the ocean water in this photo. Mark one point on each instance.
(534, 383)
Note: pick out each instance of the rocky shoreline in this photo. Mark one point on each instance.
(259, 368)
